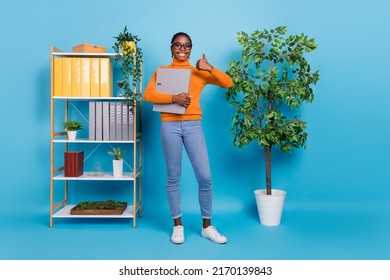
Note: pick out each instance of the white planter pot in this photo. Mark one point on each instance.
(270, 207)
(118, 167)
(71, 134)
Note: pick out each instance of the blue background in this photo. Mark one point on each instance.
(337, 202)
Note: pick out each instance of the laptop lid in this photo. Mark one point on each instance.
(172, 81)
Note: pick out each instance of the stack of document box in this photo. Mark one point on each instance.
(110, 121)
(74, 164)
(83, 77)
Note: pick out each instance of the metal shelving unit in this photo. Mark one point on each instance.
(62, 208)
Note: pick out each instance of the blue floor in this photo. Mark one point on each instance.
(319, 230)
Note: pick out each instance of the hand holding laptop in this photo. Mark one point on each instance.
(182, 99)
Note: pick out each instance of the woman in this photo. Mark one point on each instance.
(178, 130)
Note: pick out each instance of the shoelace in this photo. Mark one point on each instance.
(177, 232)
(215, 232)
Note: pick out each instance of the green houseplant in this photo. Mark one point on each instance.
(72, 125)
(271, 78)
(71, 128)
(117, 154)
(130, 55)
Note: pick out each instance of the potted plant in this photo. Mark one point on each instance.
(117, 154)
(130, 55)
(271, 81)
(71, 128)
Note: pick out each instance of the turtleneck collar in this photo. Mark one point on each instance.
(179, 63)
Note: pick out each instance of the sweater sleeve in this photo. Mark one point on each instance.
(153, 96)
(219, 78)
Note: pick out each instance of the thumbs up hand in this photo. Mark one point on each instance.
(203, 65)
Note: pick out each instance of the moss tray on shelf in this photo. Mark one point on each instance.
(108, 207)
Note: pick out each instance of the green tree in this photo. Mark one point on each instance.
(271, 77)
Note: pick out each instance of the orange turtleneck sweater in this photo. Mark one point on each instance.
(199, 79)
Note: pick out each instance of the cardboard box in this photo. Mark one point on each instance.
(88, 48)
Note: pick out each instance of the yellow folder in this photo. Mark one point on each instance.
(106, 78)
(67, 76)
(57, 79)
(76, 76)
(95, 77)
(85, 76)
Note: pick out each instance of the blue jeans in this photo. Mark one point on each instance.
(174, 135)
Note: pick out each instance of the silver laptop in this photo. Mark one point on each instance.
(172, 81)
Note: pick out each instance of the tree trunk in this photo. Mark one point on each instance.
(267, 153)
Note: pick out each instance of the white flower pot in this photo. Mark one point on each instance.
(71, 134)
(270, 207)
(118, 167)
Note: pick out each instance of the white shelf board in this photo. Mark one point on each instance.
(112, 55)
(107, 176)
(92, 141)
(65, 213)
(89, 98)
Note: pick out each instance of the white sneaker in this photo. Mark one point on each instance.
(177, 235)
(211, 233)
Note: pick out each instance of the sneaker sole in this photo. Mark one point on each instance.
(224, 242)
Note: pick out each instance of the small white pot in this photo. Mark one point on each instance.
(71, 134)
(118, 167)
(270, 207)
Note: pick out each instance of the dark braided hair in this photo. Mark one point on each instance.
(179, 34)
